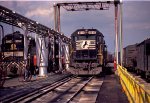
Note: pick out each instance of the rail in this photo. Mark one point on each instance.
(73, 96)
(135, 91)
(31, 95)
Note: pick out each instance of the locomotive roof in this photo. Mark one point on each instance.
(97, 32)
(16, 34)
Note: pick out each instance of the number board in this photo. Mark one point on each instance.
(86, 32)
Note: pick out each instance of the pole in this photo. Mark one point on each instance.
(54, 59)
(66, 56)
(55, 20)
(58, 17)
(25, 45)
(42, 54)
(121, 35)
(116, 32)
(60, 54)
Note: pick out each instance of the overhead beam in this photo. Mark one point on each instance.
(81, 6)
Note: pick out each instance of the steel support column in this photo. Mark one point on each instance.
(66, 56)
(57, 28)
(57, 17)
(53, 49)
(121, 34)
(42, 54)
(60, 54)
(116, 32)
(25, 45)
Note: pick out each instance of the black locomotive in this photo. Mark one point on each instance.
(12, 50)
(88, 52)
(12, 47)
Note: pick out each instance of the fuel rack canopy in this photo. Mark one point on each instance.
(12, 18)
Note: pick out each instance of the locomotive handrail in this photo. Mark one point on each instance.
(135, 91)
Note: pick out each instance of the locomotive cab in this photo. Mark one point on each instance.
(13, 52)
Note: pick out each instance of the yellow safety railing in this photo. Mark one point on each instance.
(135, 91)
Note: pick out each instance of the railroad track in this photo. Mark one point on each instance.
(67, 90)
(30, 88)
(78, 90)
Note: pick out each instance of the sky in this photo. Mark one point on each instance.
(136, 19)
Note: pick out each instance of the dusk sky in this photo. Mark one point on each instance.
(136, 19)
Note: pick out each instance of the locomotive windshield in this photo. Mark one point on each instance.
(85, 37)
(12, 43)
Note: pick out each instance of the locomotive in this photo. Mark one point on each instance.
(88, 52)
(12, 50)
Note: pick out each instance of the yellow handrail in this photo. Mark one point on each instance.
(135, 91)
